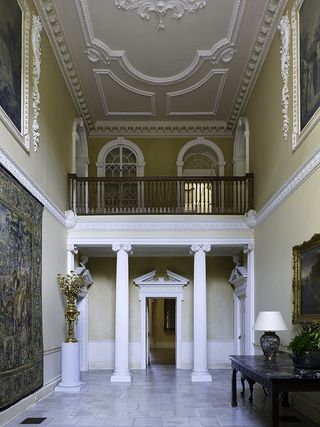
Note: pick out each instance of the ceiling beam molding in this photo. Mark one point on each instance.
(265, 34)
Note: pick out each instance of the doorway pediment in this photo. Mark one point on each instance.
(152, 278)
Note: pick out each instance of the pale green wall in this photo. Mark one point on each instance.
(271, 157)
(160, 154)
(48, 168)
(102, 295)
(273, 162)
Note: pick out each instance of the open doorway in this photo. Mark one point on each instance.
(161, 331)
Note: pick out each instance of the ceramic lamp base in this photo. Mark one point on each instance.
(270, 343)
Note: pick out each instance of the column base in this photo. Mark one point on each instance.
(74, 388)
(120, 377)
(201, 377)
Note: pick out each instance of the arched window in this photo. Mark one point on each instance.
(200, 157)
(120, 158)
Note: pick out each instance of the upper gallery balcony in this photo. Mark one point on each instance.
(222, 195)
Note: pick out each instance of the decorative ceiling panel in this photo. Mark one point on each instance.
(203, 66)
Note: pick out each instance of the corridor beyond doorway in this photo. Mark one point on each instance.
(161, 331)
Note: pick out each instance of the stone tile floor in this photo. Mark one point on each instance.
(161, 396)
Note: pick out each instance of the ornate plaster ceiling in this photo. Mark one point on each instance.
(127, 77)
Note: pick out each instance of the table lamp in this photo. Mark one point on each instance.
(269, 321)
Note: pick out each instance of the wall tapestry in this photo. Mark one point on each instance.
(306, 281)
(21, 346)
(11, 60)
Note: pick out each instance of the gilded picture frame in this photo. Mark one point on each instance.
(306, 281)
(306, 68)
(14, 71)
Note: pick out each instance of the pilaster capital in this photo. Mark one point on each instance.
(72, 248)
(116, 247)
(248, 248)
(201, 247)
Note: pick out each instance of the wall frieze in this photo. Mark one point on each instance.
(7, 161)
(259, 51)
(292, 184)
(145, 226)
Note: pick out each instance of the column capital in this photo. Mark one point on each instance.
(116, 247)
(72, 248)
(200, 247)
(248, 248)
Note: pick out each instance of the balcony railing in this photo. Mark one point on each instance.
(161, 195)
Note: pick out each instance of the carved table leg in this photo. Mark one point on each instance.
(243, 386)
(275, 408)
(234, 388)
(251, 383)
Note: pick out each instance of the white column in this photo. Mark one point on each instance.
(200, 352)
(250, 317)
(121, 371)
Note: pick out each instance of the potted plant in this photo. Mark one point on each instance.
(305, 347)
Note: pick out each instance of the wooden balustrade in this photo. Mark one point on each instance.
(161, 195)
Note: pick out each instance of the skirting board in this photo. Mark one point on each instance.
(101, 354)
(307, 405)
(28, 401)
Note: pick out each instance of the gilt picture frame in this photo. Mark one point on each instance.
(306, 68)
(14, 71)
(306, 281)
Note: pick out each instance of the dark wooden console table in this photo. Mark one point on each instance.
(276, 376)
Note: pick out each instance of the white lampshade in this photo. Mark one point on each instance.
(269, 321)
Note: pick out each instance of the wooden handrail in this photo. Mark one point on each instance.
(161, 194)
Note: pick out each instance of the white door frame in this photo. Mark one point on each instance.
(161, 291)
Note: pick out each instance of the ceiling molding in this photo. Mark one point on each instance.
(145, 7)
(97, 50)
(62, 52)
(160, 129)
(266, 31)
(216, 101)
(126, 86)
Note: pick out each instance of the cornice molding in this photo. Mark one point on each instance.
(159, 129)
(97, 50)
(258, 54)
(284, 29)
(61, 49)
(292, 184)
(160, 8)
(10, 164)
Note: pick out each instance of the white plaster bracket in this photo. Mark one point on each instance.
(284, 29)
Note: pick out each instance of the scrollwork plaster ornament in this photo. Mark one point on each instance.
(36, 67)
(284, 28)
(161, 7)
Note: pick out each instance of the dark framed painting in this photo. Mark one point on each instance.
(169, 315)
(21, 347)
(14, 67)
(306, 67)
(306, 281)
